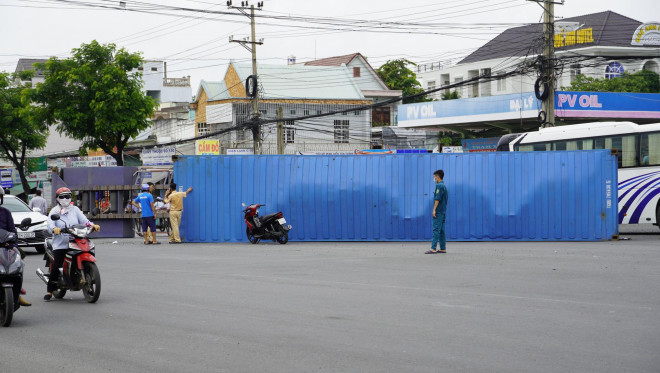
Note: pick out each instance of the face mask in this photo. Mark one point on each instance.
(64, 202)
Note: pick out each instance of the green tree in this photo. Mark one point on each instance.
(643, 81)
(21, 130)
(397, 75)
(453, 95)
(94, 97)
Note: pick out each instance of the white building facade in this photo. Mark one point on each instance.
(162, 88)
(599, 34)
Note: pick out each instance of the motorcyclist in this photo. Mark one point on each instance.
(69, 215)
(7, 223)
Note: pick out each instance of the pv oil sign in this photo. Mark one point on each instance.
(616, 105)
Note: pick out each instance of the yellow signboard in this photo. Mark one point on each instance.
(647, 34)
(570, 38)
(207, 147)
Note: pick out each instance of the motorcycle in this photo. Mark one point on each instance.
(269, 227)
(11, 274)
(79, 271)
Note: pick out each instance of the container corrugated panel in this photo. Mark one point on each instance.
(522, 196)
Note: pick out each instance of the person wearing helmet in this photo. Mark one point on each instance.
(69, 214)
(7, 223)
(146, 202)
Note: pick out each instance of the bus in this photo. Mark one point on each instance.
(638, 152)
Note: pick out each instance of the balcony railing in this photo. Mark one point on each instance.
(176, 82)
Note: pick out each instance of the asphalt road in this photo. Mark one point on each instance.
(350, 307)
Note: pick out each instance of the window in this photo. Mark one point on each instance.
(141, 68)
(501, 84)
(539, 147)
(264, 112)
(305, 112)
(292, 112)
(649, 149)
(202, 129)
(430, 84)
(356, 72)
(357, 112)
(576, 70)
(289, 132)
(559, 145)
(460, 88)
(341, 131)
(344, 113)
(627, 150)
(319, 112)
(599, 143)
(154, 69)
(584, 144)
(625, 145)
(613, 70)
(380, 116)
(241, 135)
(242, 109)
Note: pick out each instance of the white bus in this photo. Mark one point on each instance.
(638, 149)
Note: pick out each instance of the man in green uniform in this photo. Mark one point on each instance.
(440, 197)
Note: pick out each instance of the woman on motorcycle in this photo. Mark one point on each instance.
(69, 215)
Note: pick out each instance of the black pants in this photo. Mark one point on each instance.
(58, 261)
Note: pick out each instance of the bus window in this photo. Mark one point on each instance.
(586, 144)
(629, 151)
(625, 145)
(541, 147)
(524, 148)
(560, 145)
(599, 143)
(650, 149)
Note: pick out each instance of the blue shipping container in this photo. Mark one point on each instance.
(521, 196)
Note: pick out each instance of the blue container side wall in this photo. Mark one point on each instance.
(528, 196)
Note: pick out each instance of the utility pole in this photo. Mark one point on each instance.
(547, 62)
(549, 54)
(256, 130)
(280, 131)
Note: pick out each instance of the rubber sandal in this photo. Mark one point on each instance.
(155, 243)
(147, 243)
(431, 252)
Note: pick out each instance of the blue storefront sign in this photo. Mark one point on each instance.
(525, 106)
(607, 105)
(502, 107)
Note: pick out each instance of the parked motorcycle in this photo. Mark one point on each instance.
(11, 274)
(79, 271)
(269, 227)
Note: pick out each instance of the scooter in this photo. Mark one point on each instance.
(79, 271)
(269, 227)
(11, 274)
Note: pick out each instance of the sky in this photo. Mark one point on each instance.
(197, 44)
